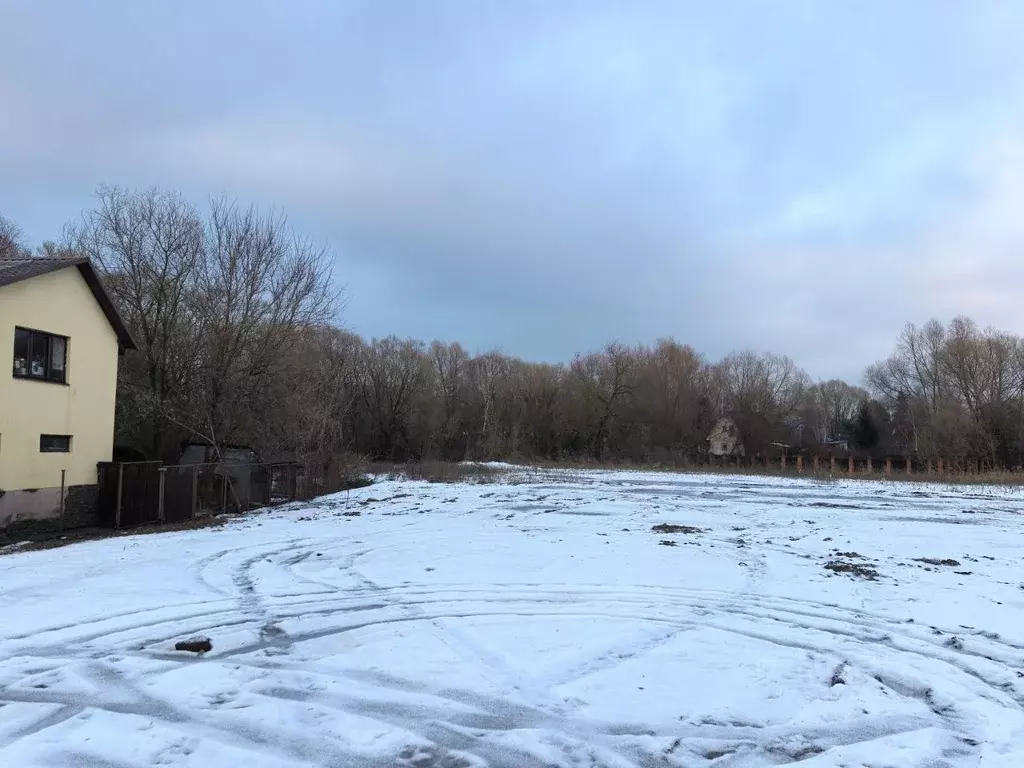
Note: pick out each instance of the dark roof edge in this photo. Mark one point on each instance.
(106, 302)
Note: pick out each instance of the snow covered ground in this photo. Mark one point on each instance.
(540, 624)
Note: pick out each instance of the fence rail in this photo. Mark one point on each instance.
(147, 492)
(856, 465)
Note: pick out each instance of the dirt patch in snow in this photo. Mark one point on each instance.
(936, 561)
(194, 645)
(853, 569)
(670, 528)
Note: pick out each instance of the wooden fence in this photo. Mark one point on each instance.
(854, 465)
(147, 492)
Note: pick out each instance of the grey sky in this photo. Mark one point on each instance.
(543, 177)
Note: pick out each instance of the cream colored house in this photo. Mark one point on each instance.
(61, 337)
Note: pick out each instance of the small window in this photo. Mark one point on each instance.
(55, 443)
(21, 348)
(39, 355)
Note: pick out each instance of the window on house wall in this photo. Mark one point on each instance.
(39, 355)
(55, 443)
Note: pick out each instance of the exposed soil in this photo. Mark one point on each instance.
(671, 528)
(75, 535)
(854, 569)
(194, 645)
(837, 676)
(935, 561)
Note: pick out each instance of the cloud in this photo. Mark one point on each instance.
(803, 177)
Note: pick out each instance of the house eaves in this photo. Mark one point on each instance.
(17, 270)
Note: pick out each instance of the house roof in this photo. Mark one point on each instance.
(16, 270)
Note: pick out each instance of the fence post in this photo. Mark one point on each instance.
(160, 498)
(940, 466)
(831, 465)
(851, 465)
(117, 506)
(223, 490)
(63, 484)
(800, 464)
(292, 482)
(870, 468)
(910, 466)
(814, 463)
(195, 489)
(783, 465)
(888, 465)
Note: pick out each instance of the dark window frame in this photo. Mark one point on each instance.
(50, 373)
(62, 446)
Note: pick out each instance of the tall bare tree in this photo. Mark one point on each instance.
(762, 394)
(151, 245)
(607, 380)
(393, 376)
(260, 284)
(833, 406)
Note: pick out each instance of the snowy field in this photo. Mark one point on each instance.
(536, 625)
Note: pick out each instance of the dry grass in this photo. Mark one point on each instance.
(572, 471)
(463, 472)
(823, 474)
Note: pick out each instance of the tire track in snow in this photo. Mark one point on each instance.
(825, 627)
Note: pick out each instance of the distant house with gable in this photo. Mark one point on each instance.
(725, 439)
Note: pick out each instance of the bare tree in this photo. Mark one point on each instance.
(451, 372)
(151, 246)
(11, 243)
(607, 380)
(833, 407)
(543, 411)
(762, 393)
(490, 374)
(393, 375)
(311, 404)
(259, 284)
(673, 400)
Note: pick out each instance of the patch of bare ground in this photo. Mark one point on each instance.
(936, 561)
(853, 569)
(74, 536)
(194, 645)
(714, 754)
(837, 676)
(671, 528)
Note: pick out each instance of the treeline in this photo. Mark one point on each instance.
(234, 317)
(955, 391)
